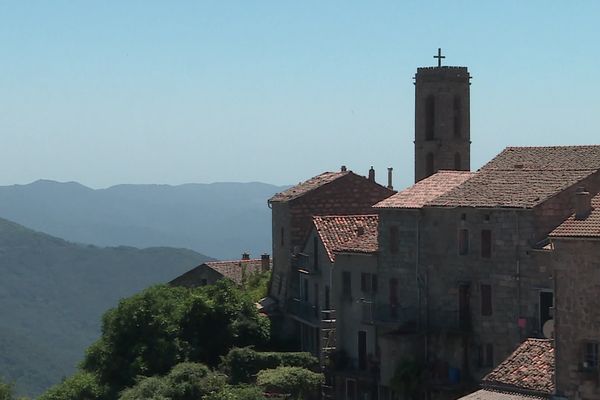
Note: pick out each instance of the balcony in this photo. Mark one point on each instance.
(448, 321)
(373, 313)
(304, 310)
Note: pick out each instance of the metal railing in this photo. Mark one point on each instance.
(304, 310)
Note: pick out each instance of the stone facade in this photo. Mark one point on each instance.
(442, 120)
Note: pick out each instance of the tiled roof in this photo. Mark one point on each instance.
(588, 227)
(425, 190)
(338, 230)
(530, 367)
(510, 188)
(547, 158)
(485, 394)
(307, 186)
(234, 270)
(524, 177)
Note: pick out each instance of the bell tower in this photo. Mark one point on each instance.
(442, 119)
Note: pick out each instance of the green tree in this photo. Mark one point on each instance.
(295, 381)
(81, 386)
(6, 391)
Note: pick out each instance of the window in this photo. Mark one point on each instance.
(429, 118)
(457, 162)
(486, 300)
(362, 350)
(429, 164)
(279, 284)
(317, 300)
(457, 116)
(304, 288)
(394, 239)
(590, 355)
(327, 299)
(463, 242)
(486, 243)
(486, 355)
(282, 237)
(368, 282)
(315, 253)
(346, 285)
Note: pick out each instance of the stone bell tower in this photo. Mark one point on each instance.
(442, 120)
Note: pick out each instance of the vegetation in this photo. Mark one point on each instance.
(295, 381)
(408, 378)
(256, 285)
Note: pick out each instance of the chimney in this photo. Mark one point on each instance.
(343, 169)
(265, 263)
(583, 203)
(245, 256)
(389, 186)
(372, 174)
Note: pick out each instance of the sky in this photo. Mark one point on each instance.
(174, 92)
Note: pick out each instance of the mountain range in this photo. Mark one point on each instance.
(219, 219)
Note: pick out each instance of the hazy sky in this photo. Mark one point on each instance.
(111, 92)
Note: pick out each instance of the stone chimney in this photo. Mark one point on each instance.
(389, 186)
(372, 174)
(265, 262)
(245, 256)
(343, 169)
(583, 203)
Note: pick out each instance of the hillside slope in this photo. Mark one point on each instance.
(220, 219)
(53, 294)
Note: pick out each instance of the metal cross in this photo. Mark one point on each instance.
(439, 57)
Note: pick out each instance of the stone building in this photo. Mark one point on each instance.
(576, 256)
(210, 272)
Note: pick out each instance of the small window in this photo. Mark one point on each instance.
(304, 288)
(346, 285)
(394, 239)
(282, 237)
(368, 282)
(429, 164)
(486, 355)
(315, 253)
(486, 243)
(590, 355)
(457, 162)
(486, 300)
(463, 242)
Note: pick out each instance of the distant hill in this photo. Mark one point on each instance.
(219, 219)
(53, 293)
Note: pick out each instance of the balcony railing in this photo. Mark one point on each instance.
(389, 314)
(304, 310)
(408, 318)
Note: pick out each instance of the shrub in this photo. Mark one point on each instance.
(296, 381)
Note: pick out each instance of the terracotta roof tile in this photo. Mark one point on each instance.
(485, 394)
(530, 367)
(234, 269)
(510, 188)
(358, 232)
(547, 158)
(307, 186)
(426, 190)
(588, 227)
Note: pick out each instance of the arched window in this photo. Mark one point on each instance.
(429, 164)
(457, 117)
(429, 118)
(457, 162)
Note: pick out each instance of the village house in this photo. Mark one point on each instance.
(210, 272)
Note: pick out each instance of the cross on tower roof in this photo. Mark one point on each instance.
(439, 57)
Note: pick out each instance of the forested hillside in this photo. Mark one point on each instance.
(53, 293)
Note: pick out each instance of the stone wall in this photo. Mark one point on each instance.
(577, 316)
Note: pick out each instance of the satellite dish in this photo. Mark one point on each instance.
(548, 329)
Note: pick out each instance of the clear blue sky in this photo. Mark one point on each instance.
(111, 92)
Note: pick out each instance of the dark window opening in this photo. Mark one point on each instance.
(486, 243)
(463, 217)
(429, 169)
(362, 350)
(304, 289)
(546, 304)
(464, 305)
(457, 116)
(463, 242)
(368, 282)
(279, 285)
(457, 162)
(394, 239)
(486, 355)
(486, 300)
(317, 300)
(590, 355)
(282, 237)
(315, 253)
(327, 299)
(346, 285)
(429, 118)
